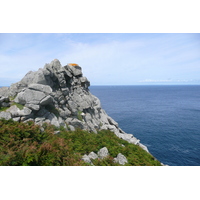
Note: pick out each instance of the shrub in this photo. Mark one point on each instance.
(25, 144)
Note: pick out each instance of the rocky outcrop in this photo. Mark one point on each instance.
(103, 153)
(58, 95)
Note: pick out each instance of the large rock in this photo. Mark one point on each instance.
(29, 97)
(103, 152)
(53, 119)
(5, 115)
(33, 106)
(121, 159)
(16, 112)
(48, 100)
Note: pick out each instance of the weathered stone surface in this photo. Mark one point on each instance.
(39, 119)
(48, 100)
(129, 138)
(4, 99)
(28, 78)
(33, 106)
(75, 70)
(103, 152)
(4, 91)
(65, 113)
(29, 97)
(86, 159)
(5, 115)
(4, 104)
(75, 123)
(72, 106)
(121, 159)
(112, 121)
(143, 147)
(92, 155)
(42, 112)
(42, 88)
(25, 111)
(16, 119)
(84, 82)
(88, 117)
(71, 128)
(53, 119)
(16, 113)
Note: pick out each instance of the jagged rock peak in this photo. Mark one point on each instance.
(58, 95)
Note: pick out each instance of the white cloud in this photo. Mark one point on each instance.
(105, 59)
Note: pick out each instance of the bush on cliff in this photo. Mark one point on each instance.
(26, 144)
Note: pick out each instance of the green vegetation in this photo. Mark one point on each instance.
(3, 109)
(20, 106)
(24, 144)
(12, 97)
(79, 116)
(13, 103)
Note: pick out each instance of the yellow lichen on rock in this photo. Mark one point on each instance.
(73, 64)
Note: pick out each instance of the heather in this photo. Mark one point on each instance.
(28, 144)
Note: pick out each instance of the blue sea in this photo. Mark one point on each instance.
(165, 118)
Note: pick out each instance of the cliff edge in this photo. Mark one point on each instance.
(58, 95)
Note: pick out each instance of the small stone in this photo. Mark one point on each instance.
(16, 119)
(86, 159)
(93, 155)
(121, 159)
(71, 128)
(56, 132)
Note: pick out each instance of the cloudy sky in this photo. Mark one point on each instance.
(106, 59)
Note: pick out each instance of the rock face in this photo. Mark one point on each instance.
(59, 95)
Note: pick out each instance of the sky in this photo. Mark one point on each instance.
(105, 58)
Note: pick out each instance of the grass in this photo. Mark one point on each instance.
(3, 108)
(79, 116)
(18, 105)
(25, 144)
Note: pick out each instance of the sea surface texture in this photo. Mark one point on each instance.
(165, 118)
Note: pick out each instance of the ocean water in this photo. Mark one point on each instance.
(165, 118)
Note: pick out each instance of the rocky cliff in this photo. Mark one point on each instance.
(58, 95)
